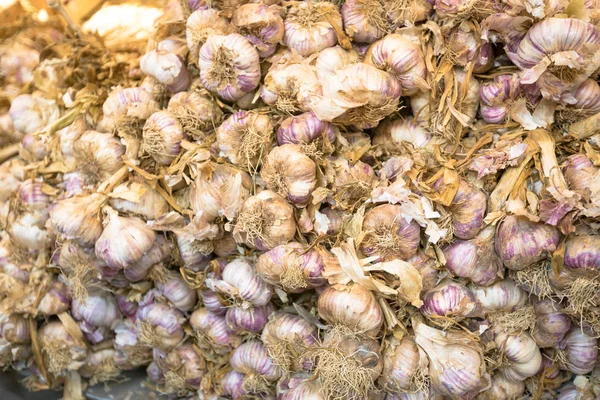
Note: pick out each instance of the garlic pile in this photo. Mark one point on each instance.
(365, 199)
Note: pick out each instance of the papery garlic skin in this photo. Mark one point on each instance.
(291, 334)
(401, 360)
(522, 353)
(243, 320)
(501, 296)
(289, 172)
(560, 61)
(581, 254)
(245, 137)
(388, 234)
(475, 259)
(98, 155)
(30, 113)
(292, 266)
(15, 329)
(394, 132)
(284, 89)
(79, 218)
(364, 20)
(232, 384)
(456, 364)
(261, 24)
(202, 24)
(251, 359)
(125, 108)
(229, 66)
(265, 221)
(401, 56)
(196, 113)
(308, 28)
(448, 299)
(213, 328)
(61, 352)
(167, 68)
(351, 306)
(550, 325)
(150, 205)
(241, 282)
(468, 207)
(178, 292)
(580, 172)
(465, 48)
(520, 242)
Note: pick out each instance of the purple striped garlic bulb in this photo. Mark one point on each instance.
(287, 337)
(402, 365)
(261, 24)
(475, 259)
(578, 351)
(286, 91)
(159, 325)
(401, 56)
(162, 136)
(580, 172)
(182, 368)
(305, 129)
(229, 66)
(248, 320)
(502, 296)
(96, 314)
(196, 112)
(167, 68)
(14, 328)
(241, 283)
(388, 234)
(252, 360)
(100, 366)
(202, 24)
(292, 266)
(212, 332)
(364, 20)
(151, 264)
(551, 324)
(311, 27)
(465, 48)
(175, 289)
(245, 137)
(265, 221)
(212, 302)
(521, 243)
(79, 218)
(449, 302)
(288, 171)
(581, 255)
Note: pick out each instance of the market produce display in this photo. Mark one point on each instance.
(304, 200)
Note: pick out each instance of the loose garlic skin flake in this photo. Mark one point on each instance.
(229, 66)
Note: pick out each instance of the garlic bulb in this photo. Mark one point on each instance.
(551, 324)
(167, 68)
(162, 136)
(292, 266)
(580, 254)
(523, 356)
(401, 56)
(497, 96)
(212, 302)
(125, 109)
(15, 329)
(475, 259)
(96, 314)
(352, 307)
(503, 388)
(311, 27)
(178, 292)
(348, 367)
(202, 24)
(247, 320)
(30, 113)
(98, 155)
(196, 113)
(252, 360)
(289, 172)
(229, 66)
(28, 215)
(448, 302)
(456, 363)
(391, 133)
(359, 95)
(232, 384)
(210, 329)
(284, 89)
(183, 369)
(388, 235)
(245, 137)
(139, 198)
(286, 336)
(304, 390)
(520, 242)
(56, 300)
(124, 240)
(160, 325)
(580, 351)
(305, 129)
(466, 48)
(265, 221)
(587, 97)
(100, 366)
(241, 282)
(580, 172)
(401, 365)
(468, 210)
(503, 296)
(79, 218)
(61, 352)
(261, 24)
(364, 20)
(556, 53)
(156, 256)
(131, 353)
